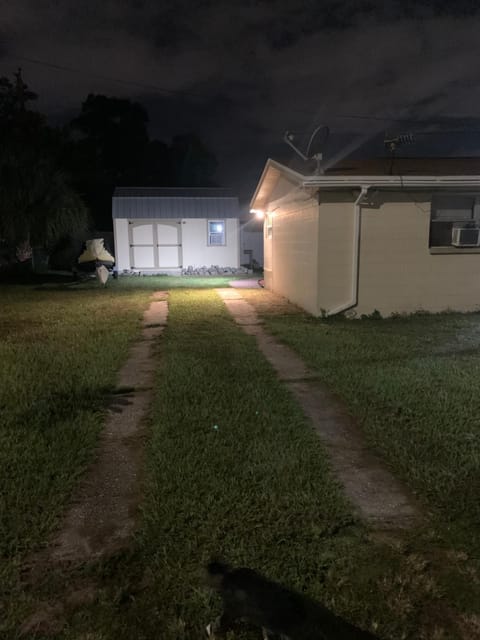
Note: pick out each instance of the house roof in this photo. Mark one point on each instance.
(431, 173)
(407, 167)
(153, 202)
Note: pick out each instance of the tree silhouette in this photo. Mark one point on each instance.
(37, 204)
(110, 147)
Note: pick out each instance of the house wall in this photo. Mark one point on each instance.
(194, 244)
(335, 250)
(283, 188)
(122, 243)
(397, 271)
(291, 264)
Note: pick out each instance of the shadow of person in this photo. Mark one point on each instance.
(282, 613)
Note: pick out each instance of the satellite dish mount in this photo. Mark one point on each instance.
(321, 132)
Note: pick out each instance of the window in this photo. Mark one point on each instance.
(216, 233)
(268, 226)
(449, 213)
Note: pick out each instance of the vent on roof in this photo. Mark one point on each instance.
(466, 236)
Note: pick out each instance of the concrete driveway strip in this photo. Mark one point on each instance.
(102, 515)
(380, 499)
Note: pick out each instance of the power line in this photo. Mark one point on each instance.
(141, 85)
(188, 94)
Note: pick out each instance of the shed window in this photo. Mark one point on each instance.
(216, 233)
(450, 212)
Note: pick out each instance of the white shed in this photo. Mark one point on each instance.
(162, 230)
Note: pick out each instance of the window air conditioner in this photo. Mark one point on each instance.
(466, 236)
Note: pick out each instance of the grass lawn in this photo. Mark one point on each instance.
(413, 384)
(234, 469)
(59, 353)
(149, 283)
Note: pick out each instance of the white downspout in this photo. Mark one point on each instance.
(353, 301)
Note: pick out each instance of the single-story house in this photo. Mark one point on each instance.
(366, 236)
(161, 230)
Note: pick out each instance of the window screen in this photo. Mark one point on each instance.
(216, 232)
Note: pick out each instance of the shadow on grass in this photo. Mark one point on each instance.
(282, 612)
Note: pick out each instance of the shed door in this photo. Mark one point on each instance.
(155, 244)
(169, 243)
(142, 236)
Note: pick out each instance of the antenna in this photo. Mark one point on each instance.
(393, 143)
(316, 142)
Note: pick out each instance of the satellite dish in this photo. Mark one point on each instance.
(314, 149)
(317, 141)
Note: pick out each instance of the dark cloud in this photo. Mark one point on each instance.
(241, 73)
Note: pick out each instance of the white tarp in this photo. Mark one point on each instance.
(96, 251)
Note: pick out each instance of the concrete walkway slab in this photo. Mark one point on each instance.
(229, 294)
(380, 499)
(156, 314)
(250, 283)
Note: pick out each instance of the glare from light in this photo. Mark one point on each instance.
(259, 213)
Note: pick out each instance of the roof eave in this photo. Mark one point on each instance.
(390, 181)
(280, 169)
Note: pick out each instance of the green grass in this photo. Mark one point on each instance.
(413, 384)
(59, 353)
(256, 490)
(138, 283)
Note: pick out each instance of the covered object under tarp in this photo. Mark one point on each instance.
(95, 255)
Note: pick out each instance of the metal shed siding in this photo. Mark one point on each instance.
(154, 207)
(146, 202)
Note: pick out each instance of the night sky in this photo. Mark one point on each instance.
(242, 72)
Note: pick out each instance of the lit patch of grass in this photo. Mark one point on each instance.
(59, 353)
(175, 282)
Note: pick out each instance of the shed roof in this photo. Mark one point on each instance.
(172, 192)
(153, 202)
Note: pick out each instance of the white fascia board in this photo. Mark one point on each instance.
(391, 181)
(281, 169)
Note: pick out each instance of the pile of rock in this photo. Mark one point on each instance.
(215, 270)
(130, 272)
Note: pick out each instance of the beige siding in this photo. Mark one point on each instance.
(397, 271)
(335, 254)
(293, 258)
